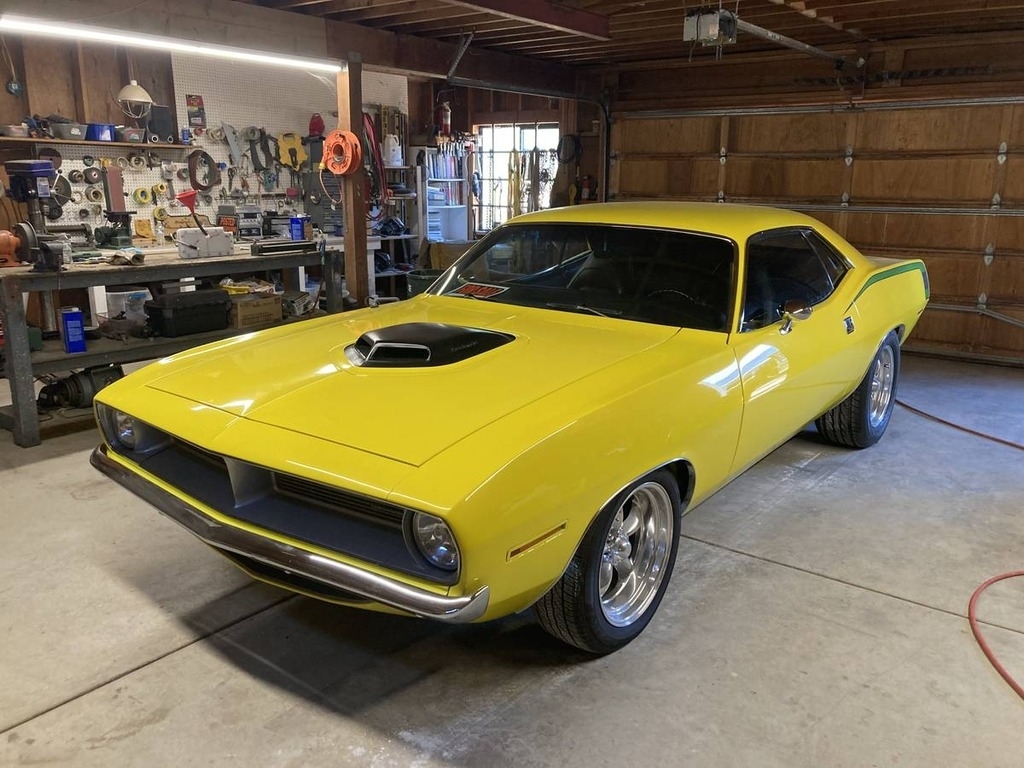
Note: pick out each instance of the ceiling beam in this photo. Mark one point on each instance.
(431, 58)
(544, 14)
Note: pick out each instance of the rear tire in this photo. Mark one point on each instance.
(615, 581)
(860, 420)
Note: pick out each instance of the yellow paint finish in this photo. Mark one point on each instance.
(548, 428)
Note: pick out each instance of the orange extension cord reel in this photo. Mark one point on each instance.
(343, 153)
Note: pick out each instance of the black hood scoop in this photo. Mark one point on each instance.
(422, 345)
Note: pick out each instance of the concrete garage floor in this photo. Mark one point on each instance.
(816, 618)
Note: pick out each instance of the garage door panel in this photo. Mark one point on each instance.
(785, 179)
(684, 177)
(1006, 281)
(1001, 337)
(942, 327)
(930, 129)
(908, 230)
(941, 180)
(1013, 186)
(824, 132)
(953, 277)
(1009, 233)
(698, 134)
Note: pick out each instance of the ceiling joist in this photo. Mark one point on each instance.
(544, 14)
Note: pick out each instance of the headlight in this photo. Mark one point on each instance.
(124, 430)
(435, 541)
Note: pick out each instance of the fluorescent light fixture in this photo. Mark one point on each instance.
(28, 26)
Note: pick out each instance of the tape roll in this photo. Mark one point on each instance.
(182, 174)
(76, 176)
(153, 138)
(122, 163)
(215, 134)
(142, 196)
(170, 139)
(94, 195)
(137, 162)
(92, 175)
(76, 196)
(83, 213)
(96, 210)
(159, 190)
(88, 160)
(159, 213)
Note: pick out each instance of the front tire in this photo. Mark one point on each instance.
(860, 420)
(618, 576)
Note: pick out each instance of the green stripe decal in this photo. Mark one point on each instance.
(899, 269)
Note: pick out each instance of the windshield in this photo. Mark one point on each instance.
(635, 273)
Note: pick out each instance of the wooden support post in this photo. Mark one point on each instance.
(358, 273)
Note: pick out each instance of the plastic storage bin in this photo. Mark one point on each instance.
(68, 131)
(179, 314)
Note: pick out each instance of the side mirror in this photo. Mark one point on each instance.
(794, 309)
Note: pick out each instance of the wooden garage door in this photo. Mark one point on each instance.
(941, 182)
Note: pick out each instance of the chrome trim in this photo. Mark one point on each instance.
(380, 589)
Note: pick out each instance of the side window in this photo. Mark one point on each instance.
(835, 264)
(783, 265)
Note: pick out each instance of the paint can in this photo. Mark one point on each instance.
(72, 330)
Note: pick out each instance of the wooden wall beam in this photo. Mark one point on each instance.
(350, 118)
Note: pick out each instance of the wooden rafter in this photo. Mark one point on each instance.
(544, 14)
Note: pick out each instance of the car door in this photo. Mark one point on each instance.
(791, 369)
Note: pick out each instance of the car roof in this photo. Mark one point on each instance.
(728, 219)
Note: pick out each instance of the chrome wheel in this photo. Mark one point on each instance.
(636, 552)
(882, 379)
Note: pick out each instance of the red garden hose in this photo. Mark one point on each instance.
(973, 619)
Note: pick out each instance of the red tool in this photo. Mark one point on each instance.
(188, 199)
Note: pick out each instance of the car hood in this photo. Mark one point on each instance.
(301, 379)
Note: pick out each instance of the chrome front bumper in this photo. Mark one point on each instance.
(332, 573)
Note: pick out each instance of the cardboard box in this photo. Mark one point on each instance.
(250, 311)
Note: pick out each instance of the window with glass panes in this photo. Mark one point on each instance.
(517, 164)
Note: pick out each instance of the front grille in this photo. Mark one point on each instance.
(213, 460)
(339, 500)
(294, 580)
(337, 520)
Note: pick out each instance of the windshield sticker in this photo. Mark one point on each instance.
(479, 290)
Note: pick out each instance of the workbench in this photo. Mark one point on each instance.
(21, 366)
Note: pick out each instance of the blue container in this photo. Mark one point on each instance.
(72, 329)
(100, 132)
(297, 227)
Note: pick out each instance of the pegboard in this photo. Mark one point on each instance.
(388, 89)
(80, 210)
(277, 99)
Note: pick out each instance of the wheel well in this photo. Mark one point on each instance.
(900, 330)
(682, 471)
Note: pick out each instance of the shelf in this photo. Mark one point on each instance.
(446, 207)
(84, 143)
(387, 238)
(448, 178)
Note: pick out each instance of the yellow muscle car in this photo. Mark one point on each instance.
(529, 431)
